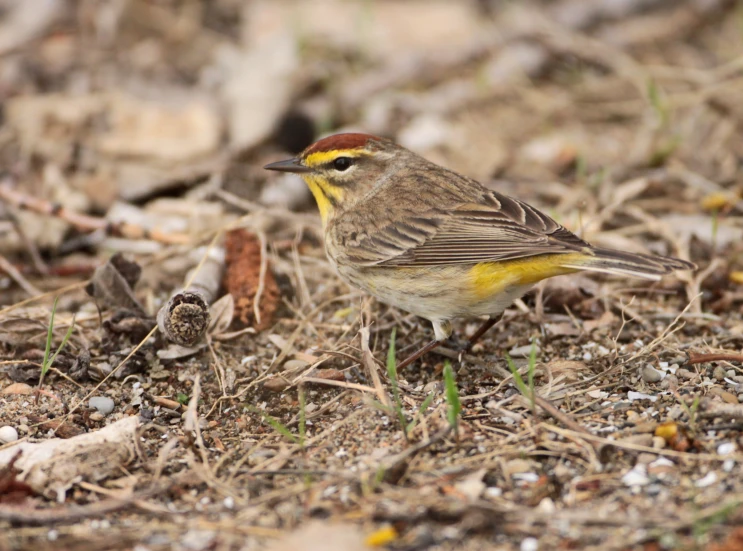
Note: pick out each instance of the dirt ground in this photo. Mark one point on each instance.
(132, 136)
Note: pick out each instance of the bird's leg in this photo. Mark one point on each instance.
(484, 328)
(441, 330)
(418, 353)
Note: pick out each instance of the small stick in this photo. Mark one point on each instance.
(86, 222)
(16, 276)
(558, 415)
(371, 365)
(697, 358)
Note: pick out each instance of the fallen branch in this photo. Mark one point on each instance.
(185, 316)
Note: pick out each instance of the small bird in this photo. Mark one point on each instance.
(435, 243)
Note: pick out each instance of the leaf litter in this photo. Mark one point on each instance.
(277, 421)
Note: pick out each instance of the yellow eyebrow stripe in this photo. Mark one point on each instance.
(322, 157)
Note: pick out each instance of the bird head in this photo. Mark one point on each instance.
(342, 168)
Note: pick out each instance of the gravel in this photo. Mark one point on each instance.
(103, 404)
(8, 434)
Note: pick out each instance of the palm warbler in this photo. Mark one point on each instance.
(438, 244)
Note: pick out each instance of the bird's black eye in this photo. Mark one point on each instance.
(342, 163)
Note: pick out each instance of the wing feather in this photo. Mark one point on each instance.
(494, 228)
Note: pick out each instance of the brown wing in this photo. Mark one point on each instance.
(495, 228)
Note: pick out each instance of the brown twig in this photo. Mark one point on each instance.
(698, 358)
(59, 515)
(84, 222)
(16, 276)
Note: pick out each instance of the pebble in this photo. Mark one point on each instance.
(728, 397)
(707, 481)
(650, 374)
(725, 448)
(637, 476)
(295, 364)
(517, 466)
(730, 373)
(276, 384)
(659, 442)
(523, 351)
(646, 458)
(8, 434)
(103, 404)
(529, 544)
(719, 373)
(685, 374)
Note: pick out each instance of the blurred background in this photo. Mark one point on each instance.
(164, 111)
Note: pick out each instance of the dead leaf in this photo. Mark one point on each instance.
(111, 284)
(222, 312)
(242, 278)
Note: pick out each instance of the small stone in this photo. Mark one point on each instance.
(18, 388)
(709, 479)
(529, 544)
(685, 374)
(646, 458)
(659, 442)
(719, 373)
(96, 416)
(517, 466)
(295, 364)
(276, 384)
(8, 434)
(103, 404)
(730, 373)
(725, 448)
(728, 397)
(637, 476)
(650, 374)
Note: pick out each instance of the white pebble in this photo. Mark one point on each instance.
(8, 434)
(103, 404)
(707, 481)
(632, 396)
(728, 465)
(529, 544)
(725, 448)
(637, 476)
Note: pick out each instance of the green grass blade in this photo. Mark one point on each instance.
(424, 406)
(49, 335)
(392, 373)
(517, 376)
(452, 396)
(275, 424)
(66, 338)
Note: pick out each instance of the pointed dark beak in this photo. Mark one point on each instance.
(290, 165)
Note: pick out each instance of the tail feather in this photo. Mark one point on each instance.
(630, 264)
